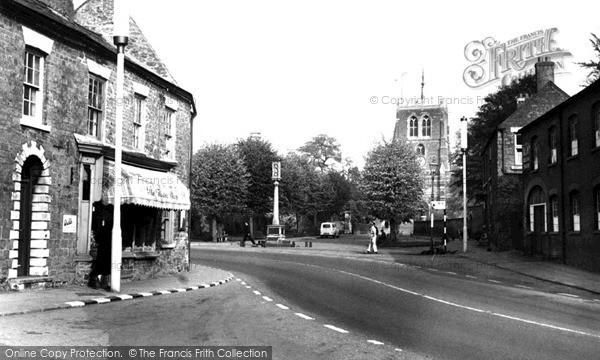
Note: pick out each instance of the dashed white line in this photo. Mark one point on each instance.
(398, 349)
(305, 317)
(248, 287)
(267, 298)
(336, 329)
(282, 306)
(238, 279)
(524, 287)
(450, 272)
(569, 295)
(243, 283)
(257, 292)
(471, 276)
(375, 342)
(495, 281)
(146, 294)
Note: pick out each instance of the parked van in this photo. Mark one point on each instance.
(329, 229)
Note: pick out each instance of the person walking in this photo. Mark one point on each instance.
(247, 235)
(372, 248)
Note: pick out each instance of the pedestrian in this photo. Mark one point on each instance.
(372, 248)
(247, 235)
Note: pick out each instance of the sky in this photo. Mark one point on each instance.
(291, 70)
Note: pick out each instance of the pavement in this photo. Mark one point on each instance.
(70, 296)
(476, 259)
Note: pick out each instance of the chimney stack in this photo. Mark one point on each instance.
(544, 71)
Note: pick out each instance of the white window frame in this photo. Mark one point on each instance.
(40, 46)
(170, 132)
(554, 212)
(573, 135)
(532, 217)
(426, 125)
(101, 74)
(410, 127)
(575, 210)
(518, 148)
(534, 153)
(98, 108)
(139, 122)
(166, 227)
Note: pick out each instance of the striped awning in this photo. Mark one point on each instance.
(162, 190)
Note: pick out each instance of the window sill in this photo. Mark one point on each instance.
(34, 123)
(596, 149)
(139, 255)
(550, 165)
(573, 157)
(517, 167)
(574, 233)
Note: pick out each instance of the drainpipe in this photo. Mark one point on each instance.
(561, 169)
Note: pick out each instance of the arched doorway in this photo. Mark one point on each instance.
(30, 175)
(537, 218)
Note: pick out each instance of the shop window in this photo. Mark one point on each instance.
(166, 230)
(141, 227)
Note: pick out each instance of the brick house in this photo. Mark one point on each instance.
(57, 79)
(561, 193)
(502, 165)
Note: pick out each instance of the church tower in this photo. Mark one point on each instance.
(425, 128)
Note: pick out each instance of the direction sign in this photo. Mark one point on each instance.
(438, 205)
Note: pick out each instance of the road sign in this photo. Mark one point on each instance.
(438, 205)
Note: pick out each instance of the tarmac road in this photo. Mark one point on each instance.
(440, 314)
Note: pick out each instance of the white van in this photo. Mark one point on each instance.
(329, 229)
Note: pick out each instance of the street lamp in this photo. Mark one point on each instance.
(463, 146)
(433, 166)
(120, 39)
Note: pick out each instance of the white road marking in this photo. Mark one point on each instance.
(124, 297)
(282, 306)
(194, 287)
(450, 272)
(102, 300)
(243, 283)
(375, 342)
(248, 287)
(257, 292)
(336, 329)
(398, 349)
(164, 292)
(75, 303)
(267, 298)
(471, 276)
(432, 269)
(524, 287)
(180, 290)
(305, 317)
(495, 281)
(238, 279)
(489, 312)
(569, 295)
(146, 294)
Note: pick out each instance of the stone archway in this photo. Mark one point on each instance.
(30, 213)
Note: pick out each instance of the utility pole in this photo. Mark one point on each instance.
(463, 146)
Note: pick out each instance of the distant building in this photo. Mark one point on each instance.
(503, 162)
(58, 101)
(425, 129)
(561, 197)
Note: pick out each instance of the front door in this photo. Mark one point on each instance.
(539, 227)
(30, 173)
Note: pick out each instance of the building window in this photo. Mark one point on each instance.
(138, 122)
(575, 211)
(420, 150)
(518, 150)
(95, 106)
(554, 212)
(166, 230)
(596, 117)
(33, 80)
(597, 203)
(552, 145)
(573, 149)
(413, 130)
(169, 123)
(534, 153)
(426, 126)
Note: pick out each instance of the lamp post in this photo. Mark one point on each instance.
(276, 176)
(120, 39)
(463, 146)
(433, 167)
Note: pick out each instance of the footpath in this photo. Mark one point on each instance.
(69, 296)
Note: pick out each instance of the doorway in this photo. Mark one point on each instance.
(30, 174)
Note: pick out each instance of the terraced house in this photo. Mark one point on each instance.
(57, 114)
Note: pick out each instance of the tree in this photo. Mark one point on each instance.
(594, 65)
(496, 108)
(320, 150)
(219, 183)
(392, 183)
(258, 156)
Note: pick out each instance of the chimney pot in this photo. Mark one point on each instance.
(544, 71)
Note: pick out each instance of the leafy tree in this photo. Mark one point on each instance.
(594, 65)
(392, 183)
(219, 182)
(258, 156)
(320, 150)
(496, 108)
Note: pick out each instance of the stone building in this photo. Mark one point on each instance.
(58, 101)
(561, 197)
(503, 162)
(425, 128)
